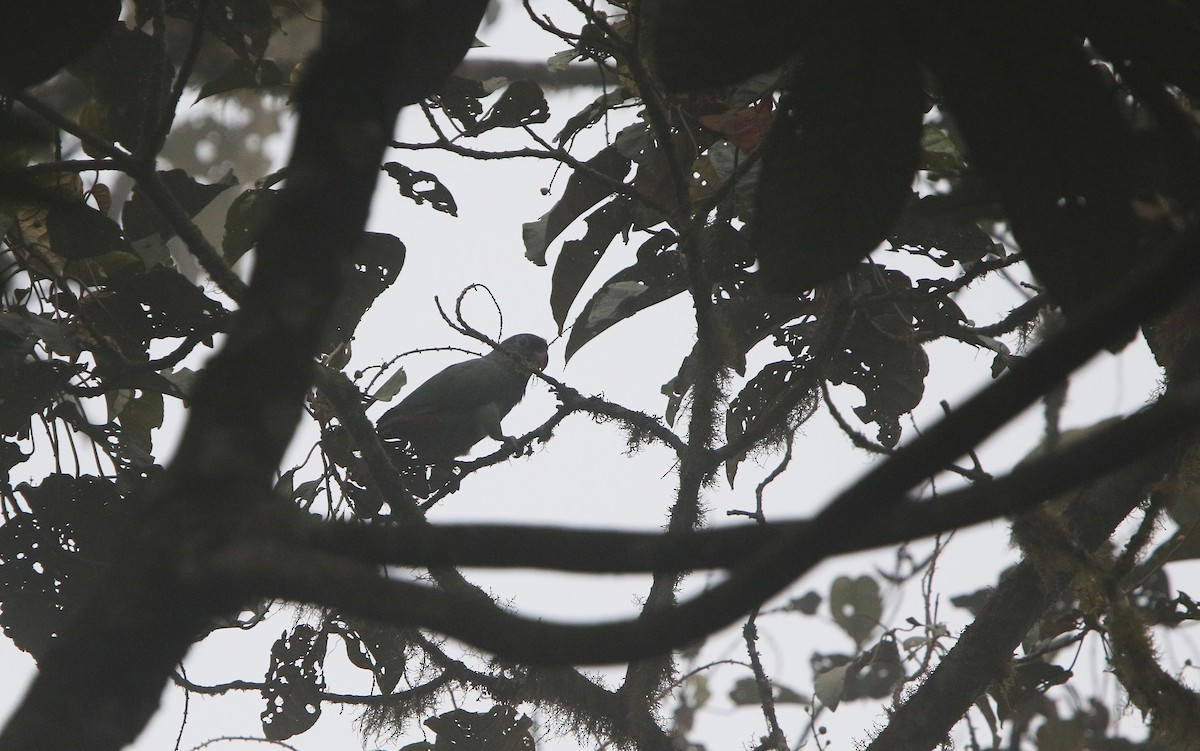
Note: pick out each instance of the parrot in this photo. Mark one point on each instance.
(461, 405)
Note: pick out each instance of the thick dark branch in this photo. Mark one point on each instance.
(1145, 293)
(984, 651)
(597, 551)
(110, 664)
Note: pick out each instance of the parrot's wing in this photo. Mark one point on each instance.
(462, 387)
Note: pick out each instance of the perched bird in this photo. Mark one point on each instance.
(460, 406)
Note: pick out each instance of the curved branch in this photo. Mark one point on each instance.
(598, 551)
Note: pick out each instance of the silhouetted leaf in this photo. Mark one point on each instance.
(148, 229)
(241, 74)
(500, 729)
(867, 339)
(294, 683)
(158, 303)
(245, 220)
(582, 192)
(592, 113)
(52, 556)
(746, 692)
(411, 184)
(522, 103)
(29, 387)
(579, 257)
(656, 276)
(944, 231)
(784, 394)
(856, 606)
(370, 269)
(379, 649)
(130, 75)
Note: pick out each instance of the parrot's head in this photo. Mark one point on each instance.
(529, 349)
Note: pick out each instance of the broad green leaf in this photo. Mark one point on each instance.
(856, 606)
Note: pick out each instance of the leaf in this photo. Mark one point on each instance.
(138, 416)
(460, 99)
(158, 303)
(294, 683)
(130, 75)
(522, 103)
(876, 348)
(75, 230)
(744, 127)
(840, 158)
(53, 556)
(29, 387)
(369, 270)
(411, 186)
(373, 647)
(242, 74)
(856, 606)
(582, 192)
(392, 386)
(656, 276)
(145, 225)
(829, 686)
(944, 230)
(807, 604)
(745, 692)
(592, 113)
(500, 729)
(579, 258)
(939, 153)
(245, 220)
(245, 26)
(786, 390)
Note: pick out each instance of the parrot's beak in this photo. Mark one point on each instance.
(540, 360)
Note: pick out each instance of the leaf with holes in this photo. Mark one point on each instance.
(583, 192)
(522, 103)
(578, 258)
(371, 268)
(499, 729)
(421, 187)
(294, 683)
(657, 276)
(856, 606)
(52, 556)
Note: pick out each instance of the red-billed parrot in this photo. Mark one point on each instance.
(455, 409)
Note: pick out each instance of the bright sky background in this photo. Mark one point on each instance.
(582, 478)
